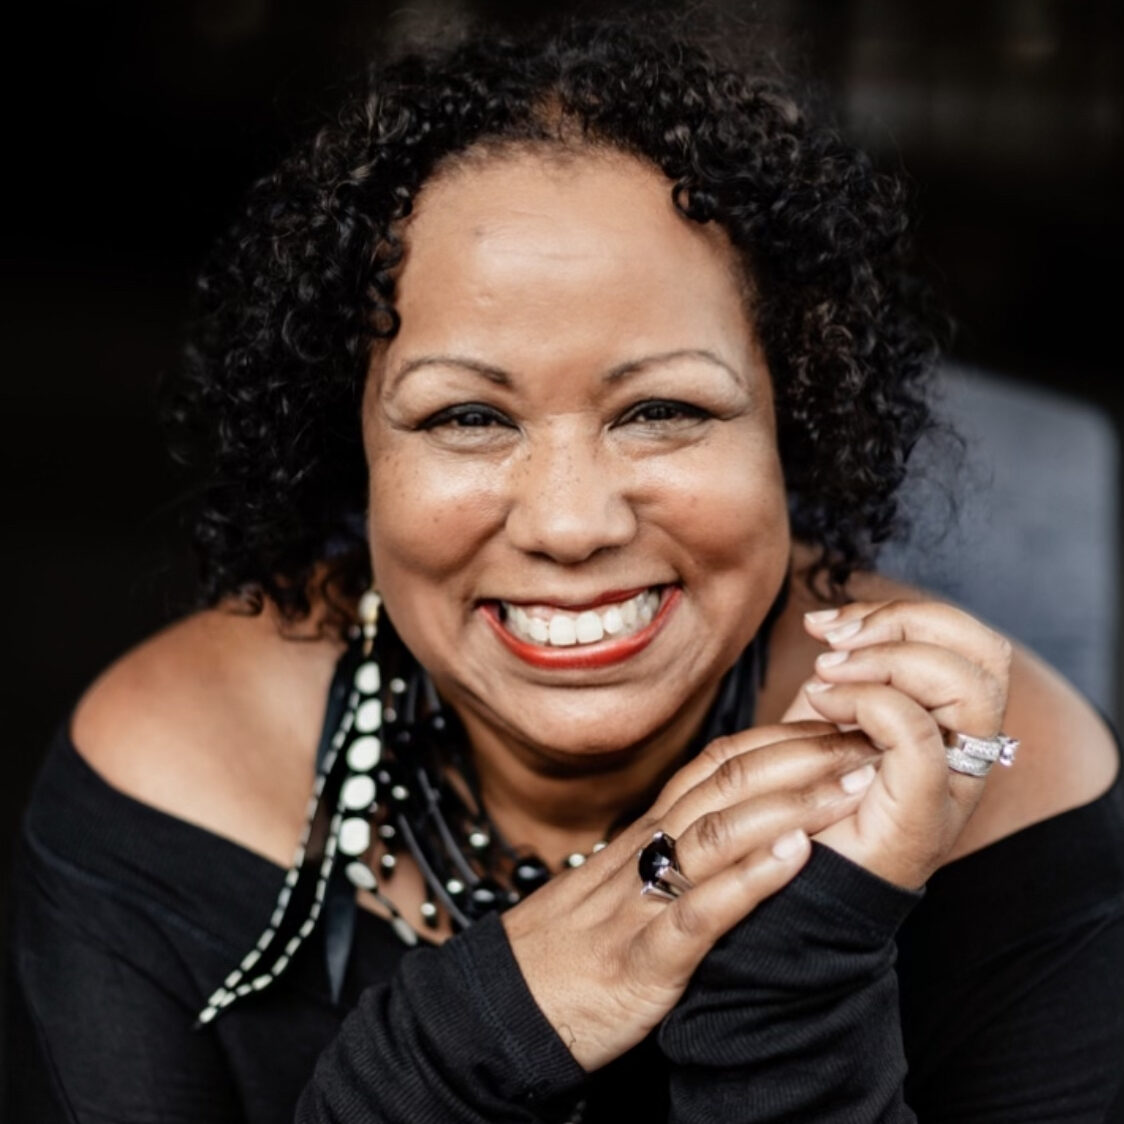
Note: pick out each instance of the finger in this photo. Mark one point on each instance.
(683, 931)
(787, 769)
(929, 622)
(959, 694)
(722, 749)
(914, 770)
(722, 836)
(819, 622)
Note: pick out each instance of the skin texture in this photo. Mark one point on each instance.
(559, 485)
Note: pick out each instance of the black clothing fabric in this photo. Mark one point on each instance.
(997, 995)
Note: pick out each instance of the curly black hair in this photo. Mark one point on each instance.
(266, 406)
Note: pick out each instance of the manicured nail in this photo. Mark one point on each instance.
(831, 659)
(821, 616)
(843, 632)
(857, 779)
(790, 845)
(815, 687)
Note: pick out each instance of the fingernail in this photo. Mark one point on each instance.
(790, 844)
(843, 632)
(815, 687)
(831, 659)
(857, 779)
(821, 616)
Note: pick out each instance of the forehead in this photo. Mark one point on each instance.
(531, 251)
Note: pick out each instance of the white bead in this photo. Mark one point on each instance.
(361, 875)
(368, 717)
(405, 934)
(367, 678)
(364, 753)
(369, 605)
(355, 836)
(358, 792)
(398, 685)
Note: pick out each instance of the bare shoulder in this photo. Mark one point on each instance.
(1067, 757)
(214, 720)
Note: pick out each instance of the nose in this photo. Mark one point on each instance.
(568, 501)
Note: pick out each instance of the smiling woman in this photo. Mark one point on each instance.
(549, 406)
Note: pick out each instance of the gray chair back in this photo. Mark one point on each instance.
(1030, 542)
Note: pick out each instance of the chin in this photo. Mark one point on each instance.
(593, 736)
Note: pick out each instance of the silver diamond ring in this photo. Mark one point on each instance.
(975, 756)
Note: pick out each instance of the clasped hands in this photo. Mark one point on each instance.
(857, 763)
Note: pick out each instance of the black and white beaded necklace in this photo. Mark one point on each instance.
(395, 776)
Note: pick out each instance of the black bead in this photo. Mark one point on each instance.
(529, 874)
(657, 857)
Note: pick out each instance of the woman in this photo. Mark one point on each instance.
(597, 363)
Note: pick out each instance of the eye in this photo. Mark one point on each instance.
(467, 415)
(663, 412)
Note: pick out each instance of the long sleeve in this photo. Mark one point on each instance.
(794, 1014)
(97, 1024)
(121, 927)
(1003, 989)
(1012, 977)
(454, 1037)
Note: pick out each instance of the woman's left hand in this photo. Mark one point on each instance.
(906, 673)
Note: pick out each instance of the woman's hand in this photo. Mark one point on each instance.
(604, 962)
(904, 673)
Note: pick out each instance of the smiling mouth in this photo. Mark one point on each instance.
(594, 635)
(554, 627)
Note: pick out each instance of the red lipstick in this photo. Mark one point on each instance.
(601, 654)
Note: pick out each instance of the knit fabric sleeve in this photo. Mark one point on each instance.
(454, 1038)
(97, 1025)
(793, 1015)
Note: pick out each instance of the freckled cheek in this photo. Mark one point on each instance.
(428, 520)
(734, 516)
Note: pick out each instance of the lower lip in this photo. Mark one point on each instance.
(601, 654)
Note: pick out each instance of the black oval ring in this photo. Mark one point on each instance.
(659, 871)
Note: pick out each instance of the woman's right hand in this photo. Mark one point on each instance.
(606, 963)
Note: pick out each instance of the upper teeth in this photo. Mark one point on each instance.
(561, 628)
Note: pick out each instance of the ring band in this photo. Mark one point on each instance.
(659, 869)
(974, 756)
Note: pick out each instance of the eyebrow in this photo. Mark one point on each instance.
(615, 374)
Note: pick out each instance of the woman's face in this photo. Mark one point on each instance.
(577, 513)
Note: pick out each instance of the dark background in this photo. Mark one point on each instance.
(130, 131)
